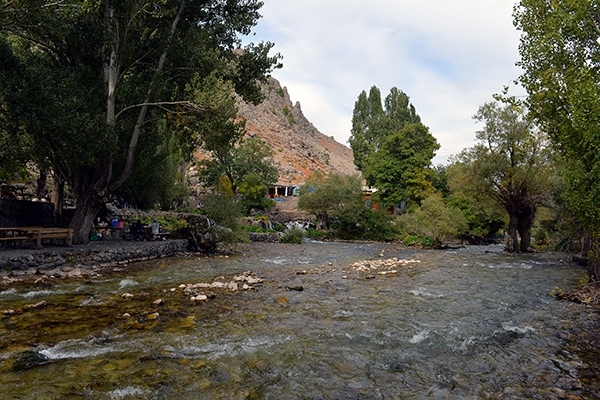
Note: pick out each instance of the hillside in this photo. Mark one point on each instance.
(299, 147)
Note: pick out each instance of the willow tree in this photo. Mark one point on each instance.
(93, 77)
(511, 164)
(560, 57)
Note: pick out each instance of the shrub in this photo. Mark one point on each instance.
(366, 224)
(435, 220)
(319, 235)
(293, 235)
(423, 241)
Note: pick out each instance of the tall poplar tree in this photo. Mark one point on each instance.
(94, 76)
(391, 146)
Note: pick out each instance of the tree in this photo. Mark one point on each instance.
(436, 219)
(237, 159)
(559, 55)
(248, 164)
(95, 76)
(484, 215)
(392, 147)
(328, 196)
(224, 211)
(149, 186)
(511, 164)
(254, 192)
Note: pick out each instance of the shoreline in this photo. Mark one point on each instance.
(19, 265)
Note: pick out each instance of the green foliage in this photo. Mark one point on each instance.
(293, 235)
(319, 234)
(155, 179)
(254, 193)
(422, 241)
(329, 196)
(483, 216)
(87, 82)
(257, 229)
(249, 165)
(392, 147)
(225, 209)
(288, 113)
(436, 220)
(559, 56)
(511, 164)
(366, 224)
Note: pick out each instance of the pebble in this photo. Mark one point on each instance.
(153, 315)
(158, 302)
(127, 296)
(36, 305)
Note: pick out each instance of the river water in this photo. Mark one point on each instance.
(471, 323)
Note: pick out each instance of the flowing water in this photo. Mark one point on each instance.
(471, 323)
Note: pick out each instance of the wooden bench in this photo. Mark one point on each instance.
(37, 234)
(18, 234)
(65, 234)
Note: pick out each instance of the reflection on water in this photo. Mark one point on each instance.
(468, 323)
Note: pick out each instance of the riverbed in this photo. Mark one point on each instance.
(313, 321)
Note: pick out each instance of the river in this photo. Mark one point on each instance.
(470, 323)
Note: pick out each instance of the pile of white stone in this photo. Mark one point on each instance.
(244, 281)
(388, 266)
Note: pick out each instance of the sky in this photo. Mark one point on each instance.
(448, 56)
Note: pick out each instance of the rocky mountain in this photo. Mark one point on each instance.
(300, 148)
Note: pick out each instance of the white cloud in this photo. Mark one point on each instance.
(448, 56)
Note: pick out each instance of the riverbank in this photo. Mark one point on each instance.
(81, 260)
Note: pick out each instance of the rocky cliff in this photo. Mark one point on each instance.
(299, 147)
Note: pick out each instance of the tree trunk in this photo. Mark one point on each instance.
(57, 195)
(41, 184)
(512, 246)
(526, 215)
(88, 206)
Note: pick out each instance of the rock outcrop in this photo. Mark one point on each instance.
(300, 148)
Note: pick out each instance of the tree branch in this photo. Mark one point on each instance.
(188, 104)
(124, 175)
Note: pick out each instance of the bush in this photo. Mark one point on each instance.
(433, 219)
(293, 235)
(423, 241)
(366, 224)
(319, 235)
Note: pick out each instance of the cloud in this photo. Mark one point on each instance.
(448, 56)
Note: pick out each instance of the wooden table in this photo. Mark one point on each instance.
(35, 233)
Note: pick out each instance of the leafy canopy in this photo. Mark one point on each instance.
(510, 164)
(328, 196)
(560, 57)
(88, 80)
(391, 146)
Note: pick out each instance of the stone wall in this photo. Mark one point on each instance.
(84, 260)
(263, 237)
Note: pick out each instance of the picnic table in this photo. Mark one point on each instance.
(35, 234)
